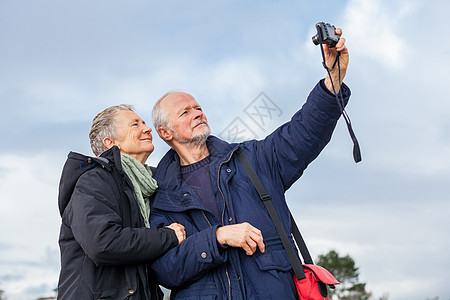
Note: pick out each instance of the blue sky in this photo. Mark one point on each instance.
(63, 62)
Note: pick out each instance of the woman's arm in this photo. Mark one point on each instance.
(93, 215)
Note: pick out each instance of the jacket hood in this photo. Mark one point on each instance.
(76, 165)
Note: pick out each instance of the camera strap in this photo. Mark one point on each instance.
(340, 100)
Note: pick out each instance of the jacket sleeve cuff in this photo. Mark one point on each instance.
(220, 247)
(171, 236)
(208, 250)
(330, 104)
(345, 89)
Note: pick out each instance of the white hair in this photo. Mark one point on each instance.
(104, 126)
(160, 117)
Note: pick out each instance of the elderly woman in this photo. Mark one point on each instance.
(105, 240)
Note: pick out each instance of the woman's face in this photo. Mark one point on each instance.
(133, 136)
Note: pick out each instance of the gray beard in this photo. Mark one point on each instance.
(197, 140)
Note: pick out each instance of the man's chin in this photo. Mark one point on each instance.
(198, 139)
(201, 138)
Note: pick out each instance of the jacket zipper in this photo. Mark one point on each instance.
(206, 218)
(218, 184)
(223, 215)
(226, 268)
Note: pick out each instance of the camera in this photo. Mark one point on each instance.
(326, 33)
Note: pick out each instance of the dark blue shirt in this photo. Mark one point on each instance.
(197, 177)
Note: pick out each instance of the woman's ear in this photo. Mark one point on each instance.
(165, 134)
(109, 142)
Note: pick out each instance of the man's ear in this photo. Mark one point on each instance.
(165, 133)
(108, 142)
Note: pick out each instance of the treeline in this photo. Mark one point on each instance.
(345, 271)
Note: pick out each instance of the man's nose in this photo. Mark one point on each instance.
(198, 114)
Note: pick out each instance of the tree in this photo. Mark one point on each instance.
(1, 295)
(345, 271)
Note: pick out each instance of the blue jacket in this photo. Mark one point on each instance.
(105, 247)
(200, 268)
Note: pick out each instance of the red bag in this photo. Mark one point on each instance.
(314, 286)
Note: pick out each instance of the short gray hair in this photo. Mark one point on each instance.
(104, 126)
(160, 117)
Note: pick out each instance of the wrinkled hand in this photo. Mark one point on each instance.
(179, 231)
(330, 58)
(241, 235)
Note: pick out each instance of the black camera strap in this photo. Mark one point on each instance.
(266, 199)
(340, 100)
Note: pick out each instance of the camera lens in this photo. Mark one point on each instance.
(315, 39)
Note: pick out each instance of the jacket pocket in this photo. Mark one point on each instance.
(274, 280)
(115, 294)
(273, 260)
(198, 290)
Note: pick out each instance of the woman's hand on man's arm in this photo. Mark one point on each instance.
(179, 231)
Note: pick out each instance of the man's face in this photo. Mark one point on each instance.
(187, 122)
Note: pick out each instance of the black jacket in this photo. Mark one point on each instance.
(104, 244)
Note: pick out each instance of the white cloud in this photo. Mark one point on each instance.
(396, 75)
(375, 30)
(30, 222)
(221, 79)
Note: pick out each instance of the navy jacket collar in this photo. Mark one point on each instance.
(173, 193)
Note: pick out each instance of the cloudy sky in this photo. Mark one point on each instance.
(61, 62)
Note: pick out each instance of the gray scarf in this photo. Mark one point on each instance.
(143, 183)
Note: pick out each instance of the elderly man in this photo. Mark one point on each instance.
(232, 250)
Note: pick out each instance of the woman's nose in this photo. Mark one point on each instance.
(146, 129)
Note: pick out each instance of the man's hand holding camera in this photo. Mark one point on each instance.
(333, 51)
(330, 59)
